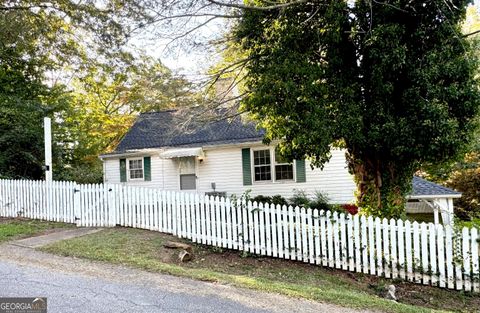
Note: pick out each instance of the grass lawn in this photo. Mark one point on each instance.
(17, 228)
(144, 249)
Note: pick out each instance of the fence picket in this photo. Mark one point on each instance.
(291, 230)
(358, 244)
(424, 255)
(316, 234)
(401, 249)
(336, 241)
(393, 248)
(378, 237)
(433, 253)
(268, 229)
(224, 222)
(311, 249)
(475, 262)
(331, 256)
(350, 239)
(364, 244)
(343, 241)
(286, 233)
(304, 239)
(298, 234)
(441, 256)
(466, 258)
(277, 228)
(245, 229)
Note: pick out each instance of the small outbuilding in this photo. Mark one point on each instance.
(428, 197)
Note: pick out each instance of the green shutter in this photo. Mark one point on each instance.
(300, 169)
(246, 166)
(147, 172)
(123, 170)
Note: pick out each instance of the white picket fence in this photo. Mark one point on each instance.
(422, 253)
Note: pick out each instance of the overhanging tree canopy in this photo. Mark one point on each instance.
(392, 82)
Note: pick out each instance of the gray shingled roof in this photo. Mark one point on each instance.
(169, 129)
(422, 187)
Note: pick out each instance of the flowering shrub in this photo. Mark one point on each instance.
(350, 208)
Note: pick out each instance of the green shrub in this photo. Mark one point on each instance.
(262, 199)
(320, 202)
(466, 179)
(279, 200)
(299, 199)
(82, 174)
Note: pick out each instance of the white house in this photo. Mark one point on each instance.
(168, 151)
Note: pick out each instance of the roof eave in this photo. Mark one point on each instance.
(130, 153)
(438, 196)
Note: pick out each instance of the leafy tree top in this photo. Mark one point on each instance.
(392, 82)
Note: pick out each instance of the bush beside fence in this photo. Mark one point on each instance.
(422, 253)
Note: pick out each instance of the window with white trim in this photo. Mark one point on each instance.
(269, 165)
(135, 169)
(283, 169)
(262, 165)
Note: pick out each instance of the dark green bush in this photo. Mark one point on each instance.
(320, 202)
(300, 199)
(279, 200)
(262, 199)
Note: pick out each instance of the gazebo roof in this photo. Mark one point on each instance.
(424, 189)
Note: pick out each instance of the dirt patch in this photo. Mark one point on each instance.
(235, 262)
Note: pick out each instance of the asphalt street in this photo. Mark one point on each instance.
(83, 286)
(72, 293)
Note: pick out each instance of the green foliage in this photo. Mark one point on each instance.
(61, 34)
(299, 199)
(83, 173)
(276, 199)
(24, 101)
(279, 200)
(320, 202)
(467, 180)
(262, 199)
(395, 84)
(46, 45)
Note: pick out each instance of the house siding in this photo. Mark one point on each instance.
(223, 166)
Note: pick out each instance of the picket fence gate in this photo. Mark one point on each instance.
(422, 253)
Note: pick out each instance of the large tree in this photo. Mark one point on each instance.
(392, 82)
(69, 59)
(24, 101)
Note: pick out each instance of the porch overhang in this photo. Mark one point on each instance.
(181, 153)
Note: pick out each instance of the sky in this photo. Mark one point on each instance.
(191, 63)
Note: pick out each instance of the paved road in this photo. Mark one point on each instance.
(77, 285)
(73, 293)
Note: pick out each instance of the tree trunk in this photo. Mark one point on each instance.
(382, 186)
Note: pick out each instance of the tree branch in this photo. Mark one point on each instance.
(471, 34)
(249, 7)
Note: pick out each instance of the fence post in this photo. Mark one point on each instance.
(77, 216)
(111, 208)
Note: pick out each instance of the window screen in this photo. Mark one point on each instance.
(188, 182)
